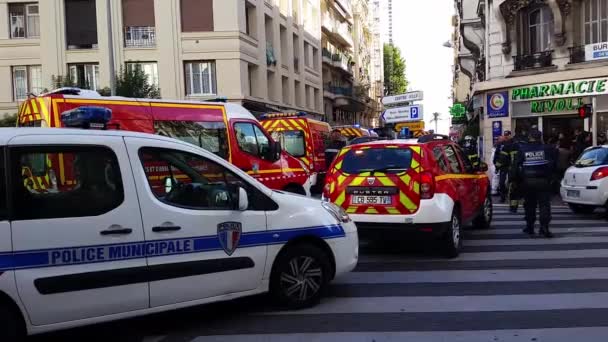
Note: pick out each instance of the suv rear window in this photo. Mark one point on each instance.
(388, 160)
(593, 157)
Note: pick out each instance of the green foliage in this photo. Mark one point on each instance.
(395, 81)
(60, 81)
(9, 121)
(133, 82)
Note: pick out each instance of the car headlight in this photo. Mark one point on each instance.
(338, 212)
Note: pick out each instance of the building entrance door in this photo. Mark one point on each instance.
(563, 125)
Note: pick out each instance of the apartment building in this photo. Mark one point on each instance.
(534, 63)
(264, 54)
(377, 52)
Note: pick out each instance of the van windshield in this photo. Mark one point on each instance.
(386, 160)
(209, 135)
(292, 142)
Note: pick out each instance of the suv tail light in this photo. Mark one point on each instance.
(600, 173)
(427, 185)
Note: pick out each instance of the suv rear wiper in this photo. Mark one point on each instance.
(386, 168)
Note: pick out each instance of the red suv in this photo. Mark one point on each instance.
(424, 185)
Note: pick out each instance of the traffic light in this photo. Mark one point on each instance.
(585, 111)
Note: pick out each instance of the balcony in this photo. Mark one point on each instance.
(327, 23)
(140, 37)
(326, 56)
(343, 33)
(533, 61)
(343, 62)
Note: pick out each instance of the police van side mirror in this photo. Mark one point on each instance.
(243, 199)
(274, 151)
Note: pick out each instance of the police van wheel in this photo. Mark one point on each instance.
(452, 241)
(484, 219)
(11, 325)
(300, 276)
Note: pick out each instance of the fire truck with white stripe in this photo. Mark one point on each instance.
(226, 129)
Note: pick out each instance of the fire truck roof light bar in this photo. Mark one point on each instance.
(282, 115)
(87, 117)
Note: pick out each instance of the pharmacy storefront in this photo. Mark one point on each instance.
(550, 107)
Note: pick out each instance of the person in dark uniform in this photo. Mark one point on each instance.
(470, 150)
(335, 145)
(533, 167)
(513, 187)
(501, 161)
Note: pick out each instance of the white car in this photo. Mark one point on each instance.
(132, 224)
(585, 185)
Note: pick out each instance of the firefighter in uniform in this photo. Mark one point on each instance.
(334, 146)
(513, 188)
(533, 167)
(501, 161)
(470, 150)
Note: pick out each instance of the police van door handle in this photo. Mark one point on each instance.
(161, 229)
(116, 230)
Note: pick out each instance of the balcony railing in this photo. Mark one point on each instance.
(140, 36)
(343, 91)
(326, 53)
(577, 54)
(533, 61)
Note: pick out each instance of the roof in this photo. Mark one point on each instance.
(8, 133)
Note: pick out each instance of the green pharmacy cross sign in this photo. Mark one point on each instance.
(458, 110)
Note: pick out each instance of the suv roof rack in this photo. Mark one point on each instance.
(432, 137)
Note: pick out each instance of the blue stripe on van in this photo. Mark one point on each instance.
(78, 255)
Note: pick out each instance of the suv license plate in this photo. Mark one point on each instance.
(573, 193)
(371, 200)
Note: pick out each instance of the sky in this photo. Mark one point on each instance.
(420, 28)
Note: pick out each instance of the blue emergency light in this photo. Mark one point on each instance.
(357, 126)
(87, 117)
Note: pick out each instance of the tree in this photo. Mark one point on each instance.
(9, 121)
(133, 82)
(395, 81)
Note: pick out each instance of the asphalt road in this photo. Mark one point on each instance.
(504, 287)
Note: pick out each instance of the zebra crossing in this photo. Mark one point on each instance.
(505, 286)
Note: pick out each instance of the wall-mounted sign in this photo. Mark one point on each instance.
(498, 104)
(407, 97)
(412, 126)
(556, 105)
(597, 51)
(590, 87)
(496, 131)
(402, 114)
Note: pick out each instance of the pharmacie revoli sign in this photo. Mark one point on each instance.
(557, 90)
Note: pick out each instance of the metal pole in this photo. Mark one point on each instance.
(594, 131)
(111, 49)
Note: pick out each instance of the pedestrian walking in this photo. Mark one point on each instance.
(337, 141)
(533, 167)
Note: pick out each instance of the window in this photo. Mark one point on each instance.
(197, 15)
(24, 20)
(200, 78)
(86, 183)
(387, 160)
(209, 135)
(149, 68)
(251, 139)
(595, 20)
(26, 79)
(81, 24)
(85, 76)
(250, 20)
(292, 142)
(438, 156)
(539, 29)
(468, 166)
(594, 157)
(450, 154)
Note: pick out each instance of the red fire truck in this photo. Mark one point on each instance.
(226, 129)
(303, 138)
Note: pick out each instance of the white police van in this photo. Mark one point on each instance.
(107, 236)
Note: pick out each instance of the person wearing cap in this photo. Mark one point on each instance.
(532, 169)
(501, 161)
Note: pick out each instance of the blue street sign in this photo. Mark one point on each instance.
(414, 112)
